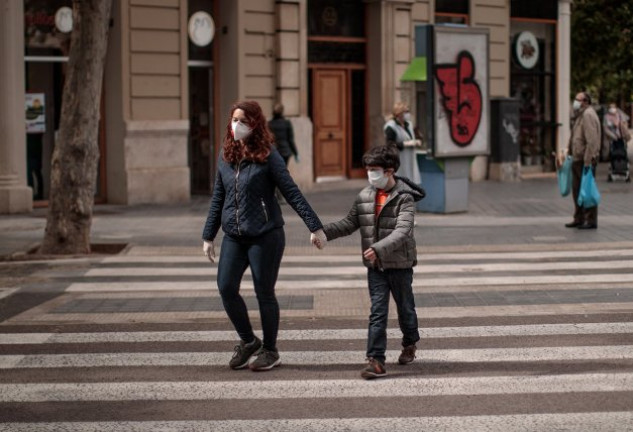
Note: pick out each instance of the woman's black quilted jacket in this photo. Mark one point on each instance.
(244, 203)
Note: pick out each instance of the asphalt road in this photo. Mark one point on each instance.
(534, 339)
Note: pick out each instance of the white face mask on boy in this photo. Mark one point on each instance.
(240, 130)
(377, 178)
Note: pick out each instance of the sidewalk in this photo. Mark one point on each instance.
(526, 214)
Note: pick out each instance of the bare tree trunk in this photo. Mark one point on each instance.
(76, 154)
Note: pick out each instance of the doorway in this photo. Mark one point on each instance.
(201, 150)
(337, 87)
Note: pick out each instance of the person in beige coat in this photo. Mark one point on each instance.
(584, 147)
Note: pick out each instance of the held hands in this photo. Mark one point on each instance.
(209, 250)
(318, 239)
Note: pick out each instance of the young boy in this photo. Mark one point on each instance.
(384, 212)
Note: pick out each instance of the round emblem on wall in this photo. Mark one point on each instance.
(201, 28)
(526, 49)
(64, 19)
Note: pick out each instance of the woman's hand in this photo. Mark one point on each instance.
(209, 250)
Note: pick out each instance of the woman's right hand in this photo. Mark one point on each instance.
(208, 250)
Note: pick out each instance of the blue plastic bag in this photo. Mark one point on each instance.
(588, 196)
(564, 177)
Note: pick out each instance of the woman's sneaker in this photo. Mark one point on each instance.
(266, 360)
(407, 355)
(374, 369)
(243, 353)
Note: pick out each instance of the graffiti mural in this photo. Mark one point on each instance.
(461, 97)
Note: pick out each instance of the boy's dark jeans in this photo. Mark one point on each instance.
(263, 254)
(398, 283)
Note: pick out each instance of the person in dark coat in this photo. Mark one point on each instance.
(244, 206)
(284, 134)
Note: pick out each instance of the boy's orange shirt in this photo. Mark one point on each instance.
(381, 199)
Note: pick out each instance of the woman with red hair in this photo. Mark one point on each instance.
(244, 205)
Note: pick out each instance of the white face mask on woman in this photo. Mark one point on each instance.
(377, 178)
(407, 117)
(240, 130)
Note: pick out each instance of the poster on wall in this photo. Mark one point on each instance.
(460, 75)
(35, 113)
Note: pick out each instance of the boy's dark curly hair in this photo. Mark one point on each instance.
(384, 156)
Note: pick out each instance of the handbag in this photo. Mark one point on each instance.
(564, 177)
(588, 196)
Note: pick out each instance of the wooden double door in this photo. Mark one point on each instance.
(330, 122)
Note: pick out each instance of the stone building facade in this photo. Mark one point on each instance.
(335, 65)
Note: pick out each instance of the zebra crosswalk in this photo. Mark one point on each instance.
(514, 341)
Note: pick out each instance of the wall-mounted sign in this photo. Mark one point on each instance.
(64, 19)
(526, 50)
(35, 113)
(201, 28)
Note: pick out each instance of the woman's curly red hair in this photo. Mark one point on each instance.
(258, 144)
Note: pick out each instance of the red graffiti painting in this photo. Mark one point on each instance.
(461, 97)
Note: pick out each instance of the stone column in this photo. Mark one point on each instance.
(15, 195)
(563, 78)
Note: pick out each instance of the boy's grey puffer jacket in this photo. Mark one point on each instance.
(390, 234)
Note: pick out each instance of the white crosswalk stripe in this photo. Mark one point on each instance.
(314, 358)
(300, 335)
(603, 422)
(478, 370)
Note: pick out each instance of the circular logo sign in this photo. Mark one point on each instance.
(64, 19)
(201, 28)
(526, 49)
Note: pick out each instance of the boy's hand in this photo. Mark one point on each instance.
(370, 255)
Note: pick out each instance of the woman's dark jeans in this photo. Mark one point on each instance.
(398, 283)
(263, 254)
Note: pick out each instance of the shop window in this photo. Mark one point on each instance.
(533, 84)
(47, 30)
(451, 12)
(535, 9)
(342, 18)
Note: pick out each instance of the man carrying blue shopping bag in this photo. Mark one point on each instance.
(584, 148)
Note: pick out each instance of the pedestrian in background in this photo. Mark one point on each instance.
(584, 147)
(284, 138)
(243, 204)
(384, 212)
(399, 131)
(615, 129)
(284, 134)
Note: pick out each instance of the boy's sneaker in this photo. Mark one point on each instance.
(243, 353)
(374, 369)
(266, 360)
(407, 355)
